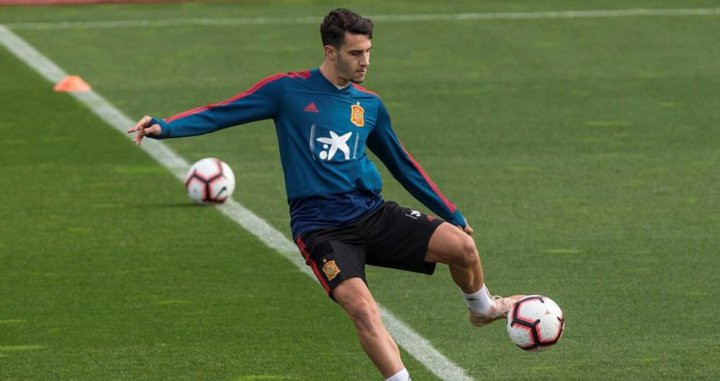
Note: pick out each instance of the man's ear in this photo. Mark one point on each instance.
(331, 52)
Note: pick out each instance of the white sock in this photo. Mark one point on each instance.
(402, 375)
(479, 301)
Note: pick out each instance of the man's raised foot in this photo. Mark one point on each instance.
(499, 311)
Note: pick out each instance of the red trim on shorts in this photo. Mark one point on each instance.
(310, 262)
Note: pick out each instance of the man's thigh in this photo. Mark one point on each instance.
(398, 237)
(449, 244)
(334, 255)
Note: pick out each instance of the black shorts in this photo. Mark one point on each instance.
(391, 236)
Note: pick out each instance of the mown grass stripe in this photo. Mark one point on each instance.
(488, 16)
(12, 321)
(20, 348)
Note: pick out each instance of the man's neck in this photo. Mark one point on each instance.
(328, 71)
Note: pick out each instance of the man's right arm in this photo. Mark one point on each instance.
(261, 101)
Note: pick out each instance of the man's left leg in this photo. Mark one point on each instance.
(452, 246)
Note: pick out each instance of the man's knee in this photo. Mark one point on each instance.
(364, 314)
(466, 252)
(358, 303)
(452, 246)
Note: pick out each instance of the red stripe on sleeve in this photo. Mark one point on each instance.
(245, 93)
(432, 184)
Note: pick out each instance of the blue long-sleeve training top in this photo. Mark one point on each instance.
(322, 133)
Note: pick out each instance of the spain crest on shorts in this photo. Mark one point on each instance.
(356, 115)
(331, 270)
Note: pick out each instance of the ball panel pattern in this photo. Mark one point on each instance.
(535, 323)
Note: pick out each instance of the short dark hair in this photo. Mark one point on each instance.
(341, 20)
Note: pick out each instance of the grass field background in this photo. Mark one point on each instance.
(584, 152)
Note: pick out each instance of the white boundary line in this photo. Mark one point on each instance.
(225, 22)
(406, 337)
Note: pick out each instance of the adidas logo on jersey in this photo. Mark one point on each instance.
(311, 108)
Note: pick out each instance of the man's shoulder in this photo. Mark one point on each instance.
(366, 95)
(276, 84)
(284, 77)
(304, 74)
(366, 91)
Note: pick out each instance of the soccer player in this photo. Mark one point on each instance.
(323, 121)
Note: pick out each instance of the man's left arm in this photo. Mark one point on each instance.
(385, 144)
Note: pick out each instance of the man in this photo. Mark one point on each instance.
(339, 221)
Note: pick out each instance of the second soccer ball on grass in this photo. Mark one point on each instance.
(210, 180)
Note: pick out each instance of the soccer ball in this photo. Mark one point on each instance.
(210, 180)
(535, 323)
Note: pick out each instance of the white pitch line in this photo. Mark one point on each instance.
(226, 22)
(406, 337)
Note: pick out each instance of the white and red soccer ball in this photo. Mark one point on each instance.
(209, 181)
(535, 323)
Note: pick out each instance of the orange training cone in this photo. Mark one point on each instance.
(70, 84)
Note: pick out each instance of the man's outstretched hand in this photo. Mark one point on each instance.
(143, 128)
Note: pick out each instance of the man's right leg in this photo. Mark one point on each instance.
(355, 297)
(337, 257)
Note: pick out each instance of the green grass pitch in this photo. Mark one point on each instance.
(584, 152)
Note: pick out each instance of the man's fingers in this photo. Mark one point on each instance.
(155, 129)
(141, 124)
(142, 129)
(139, 136)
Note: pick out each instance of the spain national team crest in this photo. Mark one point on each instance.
(356, 115)
(331, 270)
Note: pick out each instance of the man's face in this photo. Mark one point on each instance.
(353, 57)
